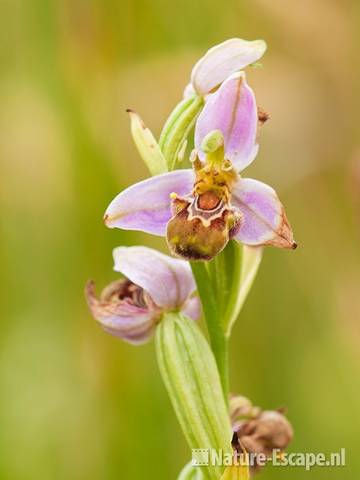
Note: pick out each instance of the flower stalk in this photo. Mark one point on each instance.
(218, 341)
(223, 285)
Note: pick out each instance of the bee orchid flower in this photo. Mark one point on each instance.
(154, 283)
(208, 74)
(200, 209)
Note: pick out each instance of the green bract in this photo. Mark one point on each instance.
(236, 472)
(191, 473)
(189, 371)
(248, 267)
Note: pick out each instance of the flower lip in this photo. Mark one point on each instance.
(124, 310)
(208, 201)
(215, 204)
(126, 291)
(197, 234)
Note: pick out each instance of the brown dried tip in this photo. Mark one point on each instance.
(263, 116)
(135, 117)
(235, 442)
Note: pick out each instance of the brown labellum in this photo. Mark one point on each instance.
(201, 228)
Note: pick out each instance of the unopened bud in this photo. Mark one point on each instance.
(178, 128)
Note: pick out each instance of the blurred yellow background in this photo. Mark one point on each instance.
(79, 404)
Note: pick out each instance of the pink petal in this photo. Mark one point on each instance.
(233, 111)
(264, 221)
(223, 60)
(142, 336)
(145, 206)
(167, 280)
(192, 308)
(189, 91)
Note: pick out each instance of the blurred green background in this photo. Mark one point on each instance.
(78, 404)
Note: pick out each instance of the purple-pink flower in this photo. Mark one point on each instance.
(199, 210)
(154, 283)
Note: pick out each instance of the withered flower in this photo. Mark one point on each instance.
(259, 431)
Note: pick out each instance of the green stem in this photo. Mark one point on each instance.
(218, 340)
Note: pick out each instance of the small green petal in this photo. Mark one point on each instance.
(147, 146)
(178, 128)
